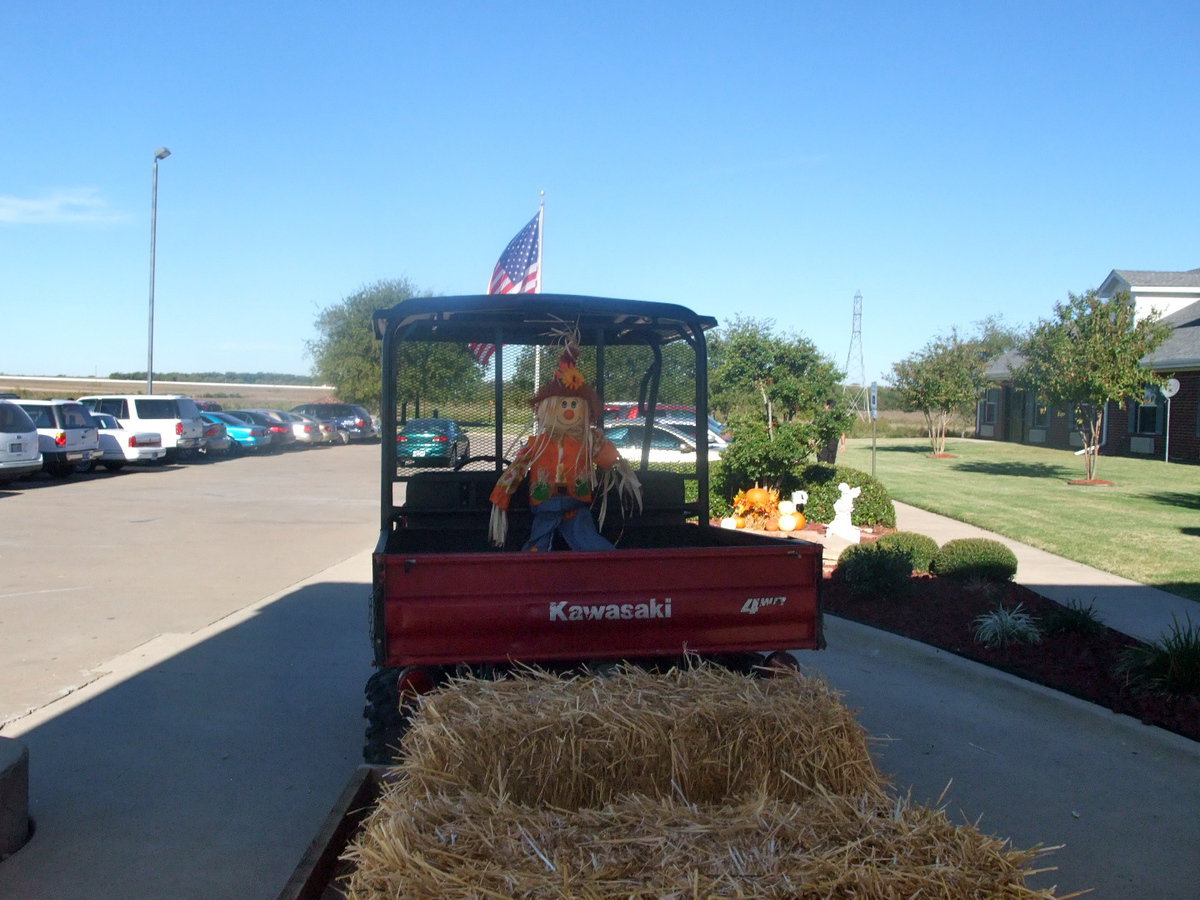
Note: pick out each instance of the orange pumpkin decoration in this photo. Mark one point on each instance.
(773, 525)
(757, 498)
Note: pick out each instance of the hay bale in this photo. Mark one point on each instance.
(702, 735)
(471, 846)
(692, 783)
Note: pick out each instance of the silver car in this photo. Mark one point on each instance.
(19, 454)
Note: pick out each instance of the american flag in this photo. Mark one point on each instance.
(519, 271)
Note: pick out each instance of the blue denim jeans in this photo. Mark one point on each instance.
(572, 519)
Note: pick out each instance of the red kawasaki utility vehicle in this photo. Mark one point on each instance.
(445, 600)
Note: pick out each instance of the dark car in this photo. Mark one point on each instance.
(353, 421)
(432, 442)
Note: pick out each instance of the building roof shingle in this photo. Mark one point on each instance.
(1144, 278)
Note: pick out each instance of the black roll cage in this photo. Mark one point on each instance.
(529, 320)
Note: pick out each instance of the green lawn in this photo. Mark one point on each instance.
(1145, 527)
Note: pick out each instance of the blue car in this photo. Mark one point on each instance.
(243, 436)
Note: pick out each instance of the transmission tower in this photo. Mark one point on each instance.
(855, 387)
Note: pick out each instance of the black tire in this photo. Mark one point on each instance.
(113, 466)
(388, 714)
(385, 720)
(61, 470)
(86, 468)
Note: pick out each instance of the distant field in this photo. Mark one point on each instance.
(230, 396)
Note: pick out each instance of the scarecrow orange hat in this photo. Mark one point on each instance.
(568, 381)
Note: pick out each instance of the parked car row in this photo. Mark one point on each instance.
(114, 430)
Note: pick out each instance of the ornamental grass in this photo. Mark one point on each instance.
(693, 783)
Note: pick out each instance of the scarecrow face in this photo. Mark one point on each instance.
(565, 414)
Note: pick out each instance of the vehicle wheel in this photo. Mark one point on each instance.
(60, 470)
(235, 449)
(391, 695)
(343, 437)
(781, 662)
(85, 468)
(112, 466)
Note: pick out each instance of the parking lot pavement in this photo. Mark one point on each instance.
(95, 566)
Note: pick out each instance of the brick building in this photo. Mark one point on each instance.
(1138, 427)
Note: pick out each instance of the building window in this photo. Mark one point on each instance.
(1145, 417)
(1041, 414)
(987, 409)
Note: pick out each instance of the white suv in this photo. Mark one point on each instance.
(67, 436)
(19, 454)
(175, 417)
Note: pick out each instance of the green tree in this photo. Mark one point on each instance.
(625, 367)
(348, 356)
(943, 381)
(1087, 355)
(994, 336)
(782, 398)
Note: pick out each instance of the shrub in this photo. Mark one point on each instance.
(975, 558)
(1074, 618)
(1002, 627)
(872, 507)
(1171, 664)
(919, 547)
(871, 570)
(755, 457)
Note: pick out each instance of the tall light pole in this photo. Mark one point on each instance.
(161, 153)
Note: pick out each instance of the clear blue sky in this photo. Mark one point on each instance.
(949, 160)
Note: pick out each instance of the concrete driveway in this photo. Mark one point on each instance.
(201, 761)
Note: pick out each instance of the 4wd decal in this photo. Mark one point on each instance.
(565, 611)
(754, 604)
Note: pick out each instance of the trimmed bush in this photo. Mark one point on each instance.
(871, 570)
(872, 507)
(975, 558)
(920, 548)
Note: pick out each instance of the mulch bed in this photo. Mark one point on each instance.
(940, 612)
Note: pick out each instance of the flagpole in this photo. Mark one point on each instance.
(541, 238)
(537, 351)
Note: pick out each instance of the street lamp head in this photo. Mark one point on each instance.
(162, 153)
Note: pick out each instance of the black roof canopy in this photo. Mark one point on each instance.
(531, 318)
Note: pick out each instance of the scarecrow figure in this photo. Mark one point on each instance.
(561, 462)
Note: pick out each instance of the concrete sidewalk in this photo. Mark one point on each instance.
(1142, 612)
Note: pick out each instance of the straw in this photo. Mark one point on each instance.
(687, 784)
